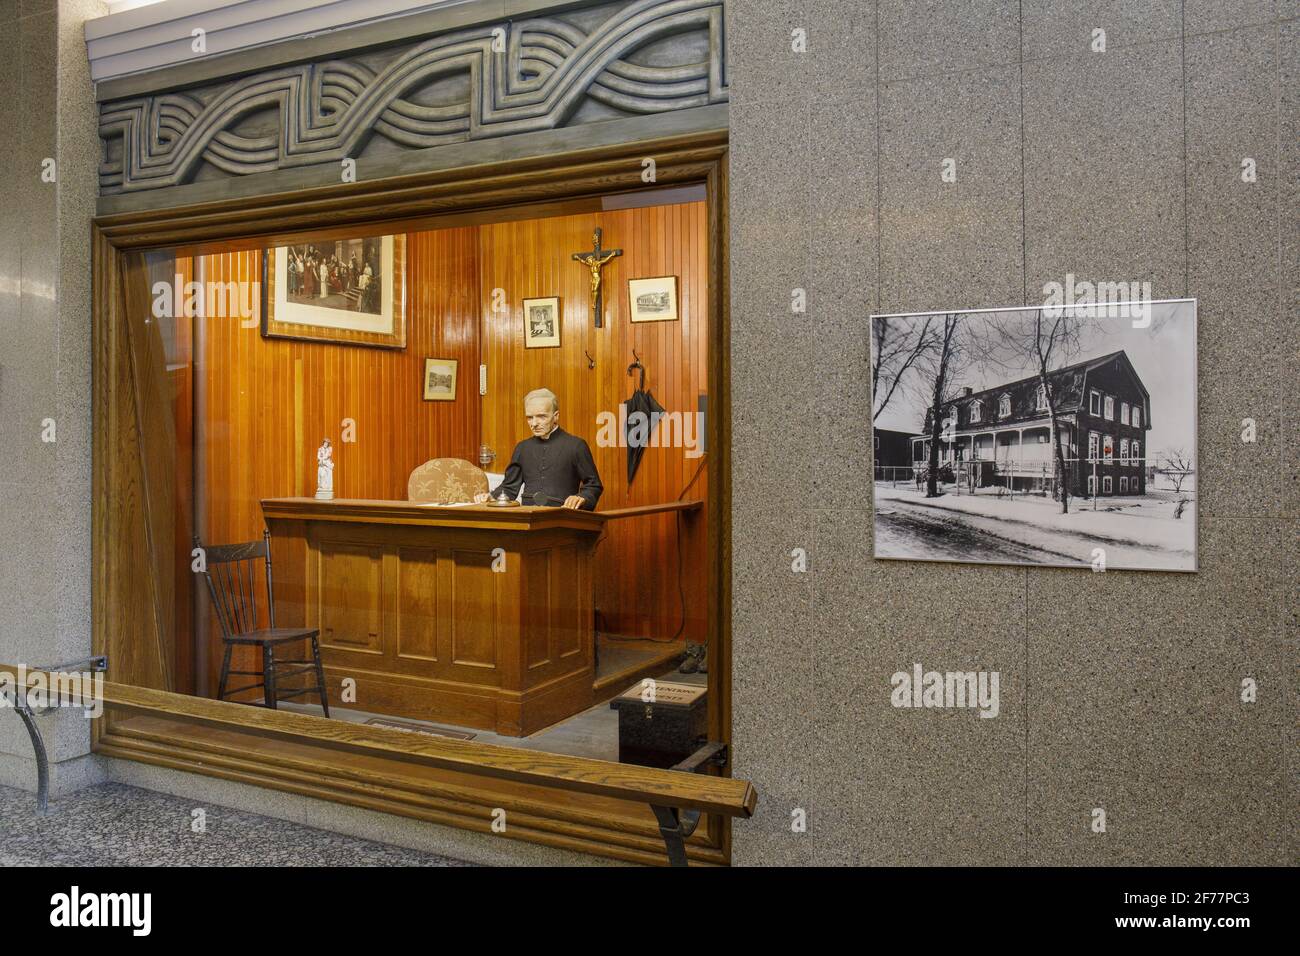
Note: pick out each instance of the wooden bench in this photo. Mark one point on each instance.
(678, 797)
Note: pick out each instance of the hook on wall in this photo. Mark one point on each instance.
(637, 365)
(591, 362)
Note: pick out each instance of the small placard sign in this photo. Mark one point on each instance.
(667, 692)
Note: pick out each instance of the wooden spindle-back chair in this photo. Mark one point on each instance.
(231, 571)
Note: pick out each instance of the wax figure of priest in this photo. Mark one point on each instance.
(553, 467)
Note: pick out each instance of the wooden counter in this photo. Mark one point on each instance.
(474, 616)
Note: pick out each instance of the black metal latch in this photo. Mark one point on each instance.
(28, 715)
(675, 825)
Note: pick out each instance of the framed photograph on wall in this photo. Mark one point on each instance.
(345, 291)
(1060, 435)
(653, 300)
(542, 323)
(439, 380)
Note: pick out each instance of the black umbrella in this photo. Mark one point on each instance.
(639, 420)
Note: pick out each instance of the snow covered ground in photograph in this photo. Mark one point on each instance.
(1136, 532)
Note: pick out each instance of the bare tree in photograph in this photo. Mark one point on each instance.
(898, 345)
(1046, 342)
(1178, 468)
(940, 366)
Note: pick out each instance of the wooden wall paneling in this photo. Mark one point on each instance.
(269, 402)
(637, 587)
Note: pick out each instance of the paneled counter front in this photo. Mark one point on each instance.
(468, 615)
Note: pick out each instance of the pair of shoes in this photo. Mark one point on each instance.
(694, 660)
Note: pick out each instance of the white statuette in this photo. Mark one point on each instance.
(325, 471)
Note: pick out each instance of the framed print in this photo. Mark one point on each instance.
(653, 300)
(346, 291)
(439, 380)
(542, 323)
(1057, 435)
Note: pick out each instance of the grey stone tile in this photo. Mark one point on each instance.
(1290, 617)
(1289, 242)
(8, 10)
(932, 36)
(11, 188)
(28, 394)
(78, 157)
(27, 8)
(26, 572)
(771, 346)
(1235, 478)
(1144, 714)
(1233, 266)
(1173, 822)
(843, 41)
(900, 785)
(842, 293)
(1204, 16)
(37, 143)
(116, 825)
(1055, 31)
(1104, 186)
(761, 60)
(948, 245)
(772, 643)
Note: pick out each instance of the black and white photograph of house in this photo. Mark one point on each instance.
(1060, 436)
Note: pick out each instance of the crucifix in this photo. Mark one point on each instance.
(594, 260)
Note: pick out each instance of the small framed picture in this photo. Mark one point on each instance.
(653, 300)
(439, 380)
(542, 323)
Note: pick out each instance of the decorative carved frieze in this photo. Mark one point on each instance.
(478, 83)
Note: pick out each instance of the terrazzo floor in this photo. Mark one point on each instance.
(113, 824)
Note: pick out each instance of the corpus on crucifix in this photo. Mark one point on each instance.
(594, 260)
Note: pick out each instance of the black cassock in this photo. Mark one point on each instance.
(640, 420)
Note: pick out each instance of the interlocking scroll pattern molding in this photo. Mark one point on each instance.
(329, 110)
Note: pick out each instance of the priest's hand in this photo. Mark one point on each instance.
(481, 497)
(575, 502)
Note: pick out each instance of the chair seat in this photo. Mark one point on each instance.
(273, 635)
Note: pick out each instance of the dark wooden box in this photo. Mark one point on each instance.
(665, 732)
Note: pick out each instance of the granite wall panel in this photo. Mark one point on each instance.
(46, 102)
(1119, 690)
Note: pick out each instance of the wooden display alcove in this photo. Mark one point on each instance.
(561, 801)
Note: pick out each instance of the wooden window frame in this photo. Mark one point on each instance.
(567, 802)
